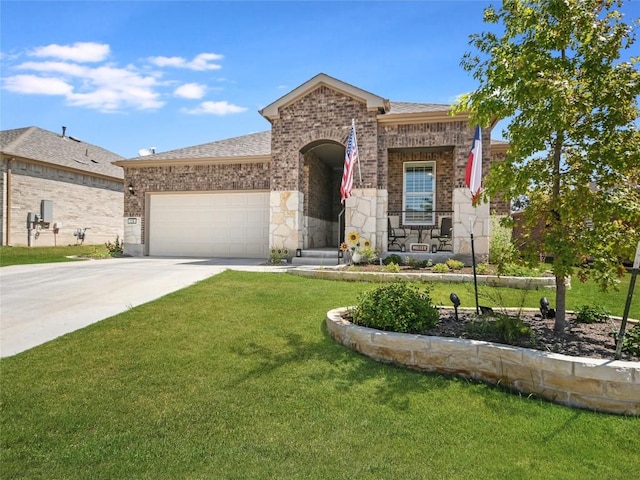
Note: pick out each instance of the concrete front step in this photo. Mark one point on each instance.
(322, 257)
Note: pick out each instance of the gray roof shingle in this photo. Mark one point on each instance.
(42, 145)
(259, 143)
(408, 107)
(254, 144)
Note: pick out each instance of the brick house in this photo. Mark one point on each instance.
(279, 189)
(67, 183)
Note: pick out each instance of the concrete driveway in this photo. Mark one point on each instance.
(41, 302)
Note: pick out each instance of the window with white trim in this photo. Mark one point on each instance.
(419, 193)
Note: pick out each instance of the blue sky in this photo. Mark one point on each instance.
(127, 75)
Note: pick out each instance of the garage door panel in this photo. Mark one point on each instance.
(216, 225)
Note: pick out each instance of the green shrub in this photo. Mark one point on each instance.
(115, 249)
(396, 307)
(369, 254)
(412, 262)
(277, 255)
(392, 268)
(509, 328)
(454, 264)
(505, 327)
(631, 341)
(393, 258)
(588, 314)
(440, 268)
(517, 270)
(501, 249)
(482, 268)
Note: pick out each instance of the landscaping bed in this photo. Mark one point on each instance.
(592, 340)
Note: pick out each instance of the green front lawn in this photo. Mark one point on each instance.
(28, 255)
(236, 378)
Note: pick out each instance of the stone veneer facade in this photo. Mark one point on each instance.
(324, 115)
(304, 187)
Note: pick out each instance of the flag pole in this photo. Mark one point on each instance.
(353, 128)
(627, 306)
(346, 186)
(473, 262)
(473, 179)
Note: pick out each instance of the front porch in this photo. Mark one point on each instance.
(331, 257)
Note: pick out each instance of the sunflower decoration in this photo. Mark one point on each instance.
(353, 241)
(367, 244)
(344, 247)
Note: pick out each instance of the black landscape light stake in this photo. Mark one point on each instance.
(545, 309)
(456, 303)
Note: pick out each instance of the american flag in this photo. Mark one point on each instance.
(350, 160)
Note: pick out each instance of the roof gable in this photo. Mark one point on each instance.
(374, 102)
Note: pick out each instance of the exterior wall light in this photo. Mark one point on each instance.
(131, 190)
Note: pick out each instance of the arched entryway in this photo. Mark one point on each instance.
(322, 162)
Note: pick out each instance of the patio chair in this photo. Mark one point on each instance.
(444, 234)
(396, 234)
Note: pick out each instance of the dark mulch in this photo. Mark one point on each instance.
(592, 340)
(580, 339)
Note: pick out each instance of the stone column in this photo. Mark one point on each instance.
(464, 216)
(285, 222)
(382, 213)
(132, 238)
(361, 214)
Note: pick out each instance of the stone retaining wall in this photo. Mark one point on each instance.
(595, 384)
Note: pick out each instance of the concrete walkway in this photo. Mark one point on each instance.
(41, 302)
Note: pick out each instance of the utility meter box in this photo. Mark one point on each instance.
(46, 211)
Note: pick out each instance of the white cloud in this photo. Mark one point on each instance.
(106, 86)
(215, 108)
(78, 52)
(200, 62)
(110, 99)
(177, 62)
(64, 68)
(32, 84)
(190, 90)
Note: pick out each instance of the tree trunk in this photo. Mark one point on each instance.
(560, 324)
(556, 230)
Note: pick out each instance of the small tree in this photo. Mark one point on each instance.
(555, 72)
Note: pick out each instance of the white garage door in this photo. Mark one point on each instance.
(209, 225)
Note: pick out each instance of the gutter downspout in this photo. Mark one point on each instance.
(8, 202)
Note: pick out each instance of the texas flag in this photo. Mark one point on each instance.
(473, 173)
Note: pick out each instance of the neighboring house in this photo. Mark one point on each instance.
(280, 189)
(67, 183)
